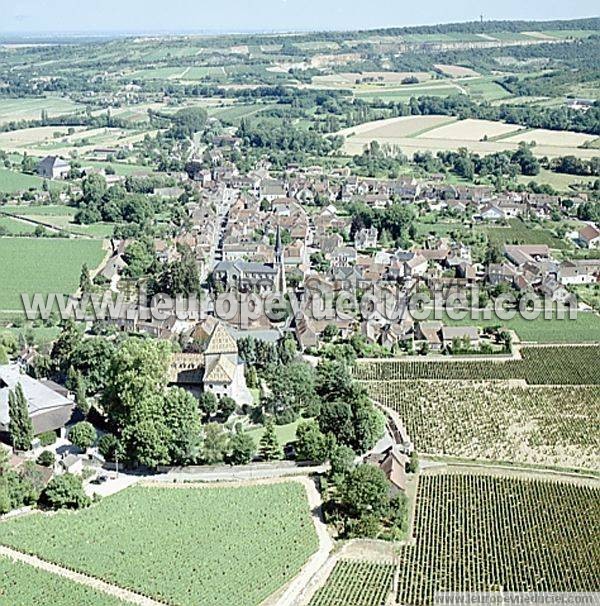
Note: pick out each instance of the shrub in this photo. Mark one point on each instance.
(47, 438)
(46, 459)
(107, 445)
(64, 491)
(83, 435)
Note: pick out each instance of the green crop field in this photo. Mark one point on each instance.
(31, 109)
(23, 585)
(356, 583)
(519, 232)
(489, 533)
(12, 181)
(211, 546)
(497, 421)
(43, 265)
(12, 227)
(568, 365)
(585, 328)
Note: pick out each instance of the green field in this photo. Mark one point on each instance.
(210, 546)
(43, 265)
(519, 232)
(498, 421)
(583, 329)
(544, 365)
(31, 109)
(478, 532)
(12, 182)
(24, 585)
(285, 433)
(12, 227)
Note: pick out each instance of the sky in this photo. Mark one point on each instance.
(51, 16)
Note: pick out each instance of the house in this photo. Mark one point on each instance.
(366, 238)
(589, 236)
(71, 463)
(393, 464)
(573, 272)
(49, 410)
(492, 213)
(223, 369)
(416, 266)
(429, 332)
(464, 333)
(53, 167)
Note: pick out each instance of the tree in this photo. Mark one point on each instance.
(182, 420)
(341, 459)
(365, 491)
(269, 445)
(227, 407)
(108, 446)
(20, 427)
(85, 281)
(65, 491)
(208, 403)
(413, 462)
(215, 443)
(311, 444)
(80, 394)
(83, 435)
(3, 355)
(242, 447)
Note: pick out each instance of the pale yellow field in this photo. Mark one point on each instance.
(445, 133)
(561, 138)
(392, 128)
(350, 78)
(470, 130)
(28, 136)
(456, 71)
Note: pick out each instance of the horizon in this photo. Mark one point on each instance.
(185, 17)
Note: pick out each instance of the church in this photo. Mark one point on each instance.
(248, 276)
(219, 369)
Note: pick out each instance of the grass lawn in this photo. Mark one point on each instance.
(560, 181)
(209, 546)
(41, 335)
(24, 585)
(43, 265)
(12, 181)
(584, 329)
(11, 227)
(285, 433)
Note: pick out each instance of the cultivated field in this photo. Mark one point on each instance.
(456, 71)
(560, 138)
(24, 585)
(423, 136)
(352, 78)
(16, 139)
(392, 128)
(498, 421)
(470, 130)
(12, 181)
(43, 265)
(356, 583)
(210, 546)
(13, 110)
(569, 365)
(491, 533)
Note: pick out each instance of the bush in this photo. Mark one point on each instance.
(64, 491)
(107, 445)
(83, 435)
(47, 438)
(46, 459)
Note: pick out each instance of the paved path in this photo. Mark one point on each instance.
(77, 577)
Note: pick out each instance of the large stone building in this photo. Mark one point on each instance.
(218, 369)
(49, 408)
(53, 167)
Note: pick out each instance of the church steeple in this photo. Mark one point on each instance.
(279, 262)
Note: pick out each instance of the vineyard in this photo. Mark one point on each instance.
(579, 365)
(550, 425)
(186, 547)
(356, 583)
(483, 532)
(23, 585)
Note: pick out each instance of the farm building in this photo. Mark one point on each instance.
(589, 236)
(49, 410)
(53, 167)
(393, 463)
